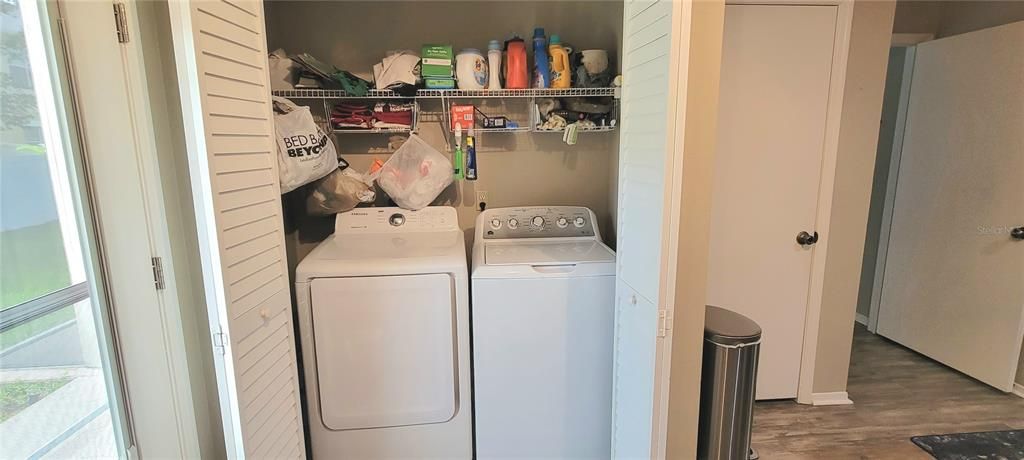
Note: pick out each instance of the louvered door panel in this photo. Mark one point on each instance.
(642, 145)
(229, 65)
(643, 154)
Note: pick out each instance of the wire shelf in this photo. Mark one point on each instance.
(336, 94)
(372, 131)
(450, 93)
(518, 129)
(596, 129)
(513, 93)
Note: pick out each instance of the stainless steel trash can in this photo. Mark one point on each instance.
(728, 376)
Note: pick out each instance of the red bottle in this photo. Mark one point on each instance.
(516, 75)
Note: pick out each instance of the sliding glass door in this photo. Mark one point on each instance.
(60, 395)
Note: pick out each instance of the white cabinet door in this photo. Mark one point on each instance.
(953, 287)
(220, 52)
(633, 384)
(776, 69)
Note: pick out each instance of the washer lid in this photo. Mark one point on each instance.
(547, 253)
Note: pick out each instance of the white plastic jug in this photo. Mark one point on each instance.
(494, 60)
(470, 69)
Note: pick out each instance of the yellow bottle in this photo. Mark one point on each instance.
(561, 74)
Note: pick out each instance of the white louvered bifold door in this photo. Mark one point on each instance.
(645, 166)
(221, 56)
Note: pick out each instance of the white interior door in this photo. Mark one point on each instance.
(220, 50)
(776, 70)
(953, 287)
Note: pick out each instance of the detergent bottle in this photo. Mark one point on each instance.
(515, 64)
(541, 70)
(561, 75)
(494, 65)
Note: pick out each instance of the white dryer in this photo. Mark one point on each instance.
(543, 308)
(384, 323)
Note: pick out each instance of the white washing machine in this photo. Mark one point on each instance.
(543, 308)
(384, 322)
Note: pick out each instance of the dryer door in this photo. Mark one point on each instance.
(385, 350)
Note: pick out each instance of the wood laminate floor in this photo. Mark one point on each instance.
(897, 394)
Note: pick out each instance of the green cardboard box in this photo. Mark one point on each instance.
(439, 82)
(437, 61)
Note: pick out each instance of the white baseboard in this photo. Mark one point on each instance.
(837, 398)
(1018, 390)
(862, 319)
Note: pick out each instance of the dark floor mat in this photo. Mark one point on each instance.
(986, 445)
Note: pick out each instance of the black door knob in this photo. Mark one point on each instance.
(1017, 233)
(806, 239)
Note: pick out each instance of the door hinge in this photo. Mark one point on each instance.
(158, 272)
(121, 22)
(220, 340)
(664, 323)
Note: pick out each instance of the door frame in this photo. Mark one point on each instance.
(128, 222)
(830, 155)
(910, 42)
(890, 190)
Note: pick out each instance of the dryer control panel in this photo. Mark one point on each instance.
(537, 222)
(386, 220)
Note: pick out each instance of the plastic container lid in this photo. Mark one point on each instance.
(726, 327)
(470, 51)
(494, 45)
(555, 39)
(538, 32)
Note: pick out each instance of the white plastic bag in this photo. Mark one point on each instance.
(415, 174)
(304, 152)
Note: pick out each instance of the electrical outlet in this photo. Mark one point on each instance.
(481, 196)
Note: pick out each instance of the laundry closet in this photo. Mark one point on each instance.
(629, 170)
(517, 166)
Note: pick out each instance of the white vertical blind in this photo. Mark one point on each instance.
(222, 60)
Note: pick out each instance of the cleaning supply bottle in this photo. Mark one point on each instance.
(470, 69)
(515, 64)
(561, 75)
(541, 70)
(470, 156)
(457, 160)
(494, 62)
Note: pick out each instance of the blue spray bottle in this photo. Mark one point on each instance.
(541, 66)
(471, 170)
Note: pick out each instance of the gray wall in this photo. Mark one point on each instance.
(858, 139)
(945, 18)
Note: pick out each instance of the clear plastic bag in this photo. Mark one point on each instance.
(415, 174)
(339, 191)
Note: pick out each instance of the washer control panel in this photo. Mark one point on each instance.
(384, 220)
(537, 222)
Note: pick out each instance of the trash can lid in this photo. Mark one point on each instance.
(727, 327)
